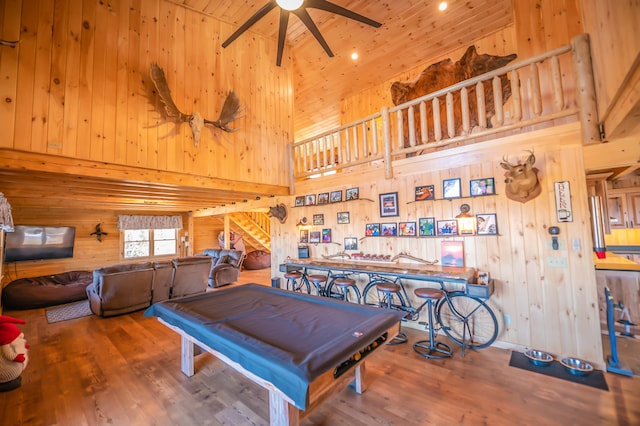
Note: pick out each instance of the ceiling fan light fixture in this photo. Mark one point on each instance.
(290, 4)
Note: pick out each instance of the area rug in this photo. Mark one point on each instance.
(556, 369)
(68, 311)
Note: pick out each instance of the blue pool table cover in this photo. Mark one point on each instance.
(286, 338)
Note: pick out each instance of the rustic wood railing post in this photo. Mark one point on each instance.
(292, 169)
(586, 89)
(386, 140)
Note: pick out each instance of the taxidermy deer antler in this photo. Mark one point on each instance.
(229, 112)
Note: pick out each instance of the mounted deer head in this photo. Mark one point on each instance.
(521, 179)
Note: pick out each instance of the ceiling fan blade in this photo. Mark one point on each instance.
(255, 18)
(306, 19)
(282, 33)
(339, 10)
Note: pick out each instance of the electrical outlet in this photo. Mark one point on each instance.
(507, 320)
(557, 262)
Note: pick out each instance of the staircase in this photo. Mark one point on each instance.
(255, 228)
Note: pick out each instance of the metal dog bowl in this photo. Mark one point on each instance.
(539, 358)
(577, 367)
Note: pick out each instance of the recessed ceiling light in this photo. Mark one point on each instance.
(442, 6)
(354, 56)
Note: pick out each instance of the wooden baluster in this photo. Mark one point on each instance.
(497, 100)
(464, 105)
(437, 126)
(411, 122)
(339, 145)
(332, 155)
(515, 95)
(347, 145)
(374, 135)
(556, 78)
(365, 140)
(536, 96)
(316, 145)
(482, 106)
(400, 123)
(451, 122)
(356, 151)
(424, 129)
(386, 140)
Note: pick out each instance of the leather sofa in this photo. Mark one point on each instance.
(120, 289)
(225, 266)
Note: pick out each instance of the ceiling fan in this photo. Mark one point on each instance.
(299, 8)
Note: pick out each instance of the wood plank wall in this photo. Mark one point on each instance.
(88, 252)
(77, 85)
(554, 309)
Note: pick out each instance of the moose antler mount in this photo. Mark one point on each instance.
(229, 112)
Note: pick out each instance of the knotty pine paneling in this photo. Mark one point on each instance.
(554, 309)
(88, 252)
(78, 86)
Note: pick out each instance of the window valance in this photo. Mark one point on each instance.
(128, 222)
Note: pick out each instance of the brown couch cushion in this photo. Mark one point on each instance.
(49, 290)
(257, 259)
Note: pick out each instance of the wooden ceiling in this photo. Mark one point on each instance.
(412, 32)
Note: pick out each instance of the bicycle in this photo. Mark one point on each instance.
(304, 285)
(467, 320)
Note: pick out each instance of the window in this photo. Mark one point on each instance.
(149, 242)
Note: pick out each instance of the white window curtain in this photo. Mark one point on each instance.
(127, 222)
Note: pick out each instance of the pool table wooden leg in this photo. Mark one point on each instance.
(359, 384)
(281, 412)
(187, 357)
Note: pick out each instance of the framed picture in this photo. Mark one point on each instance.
(351, 243)
(388, 229)
(372, 230)
(424, 193)
(447, 227)
(351, 194)
(452, 253)
(314, 236)
(487, 224)
(343, 217)
(310, 200)
(326, 235)
(323, 198)
(389, 204)
(426, 227)
(451, 188)
(300, 201)
(318, 219)
(336, 196)
(407, 229)
(479, 187)
(304, 236)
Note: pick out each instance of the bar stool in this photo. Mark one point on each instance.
(343, 283)
(292, 281)
(318, 282)
(433, 349)
(389, 289)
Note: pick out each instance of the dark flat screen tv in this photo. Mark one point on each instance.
(30, 242)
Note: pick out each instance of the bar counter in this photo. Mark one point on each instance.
(412, 271)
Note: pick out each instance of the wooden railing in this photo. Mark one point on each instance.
(551, 88)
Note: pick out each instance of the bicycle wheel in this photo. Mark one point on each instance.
(467, 318)
(301, 286)
(371, 296)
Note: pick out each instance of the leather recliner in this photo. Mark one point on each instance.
(120, 289)
(190, 275)
(225, 266)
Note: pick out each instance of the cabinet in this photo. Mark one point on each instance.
(624, 209)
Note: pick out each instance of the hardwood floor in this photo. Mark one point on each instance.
(125, 370)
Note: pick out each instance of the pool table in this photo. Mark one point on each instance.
(303, 349)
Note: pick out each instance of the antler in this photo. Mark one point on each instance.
(505, 162)
(160, 82)
(229, 113)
